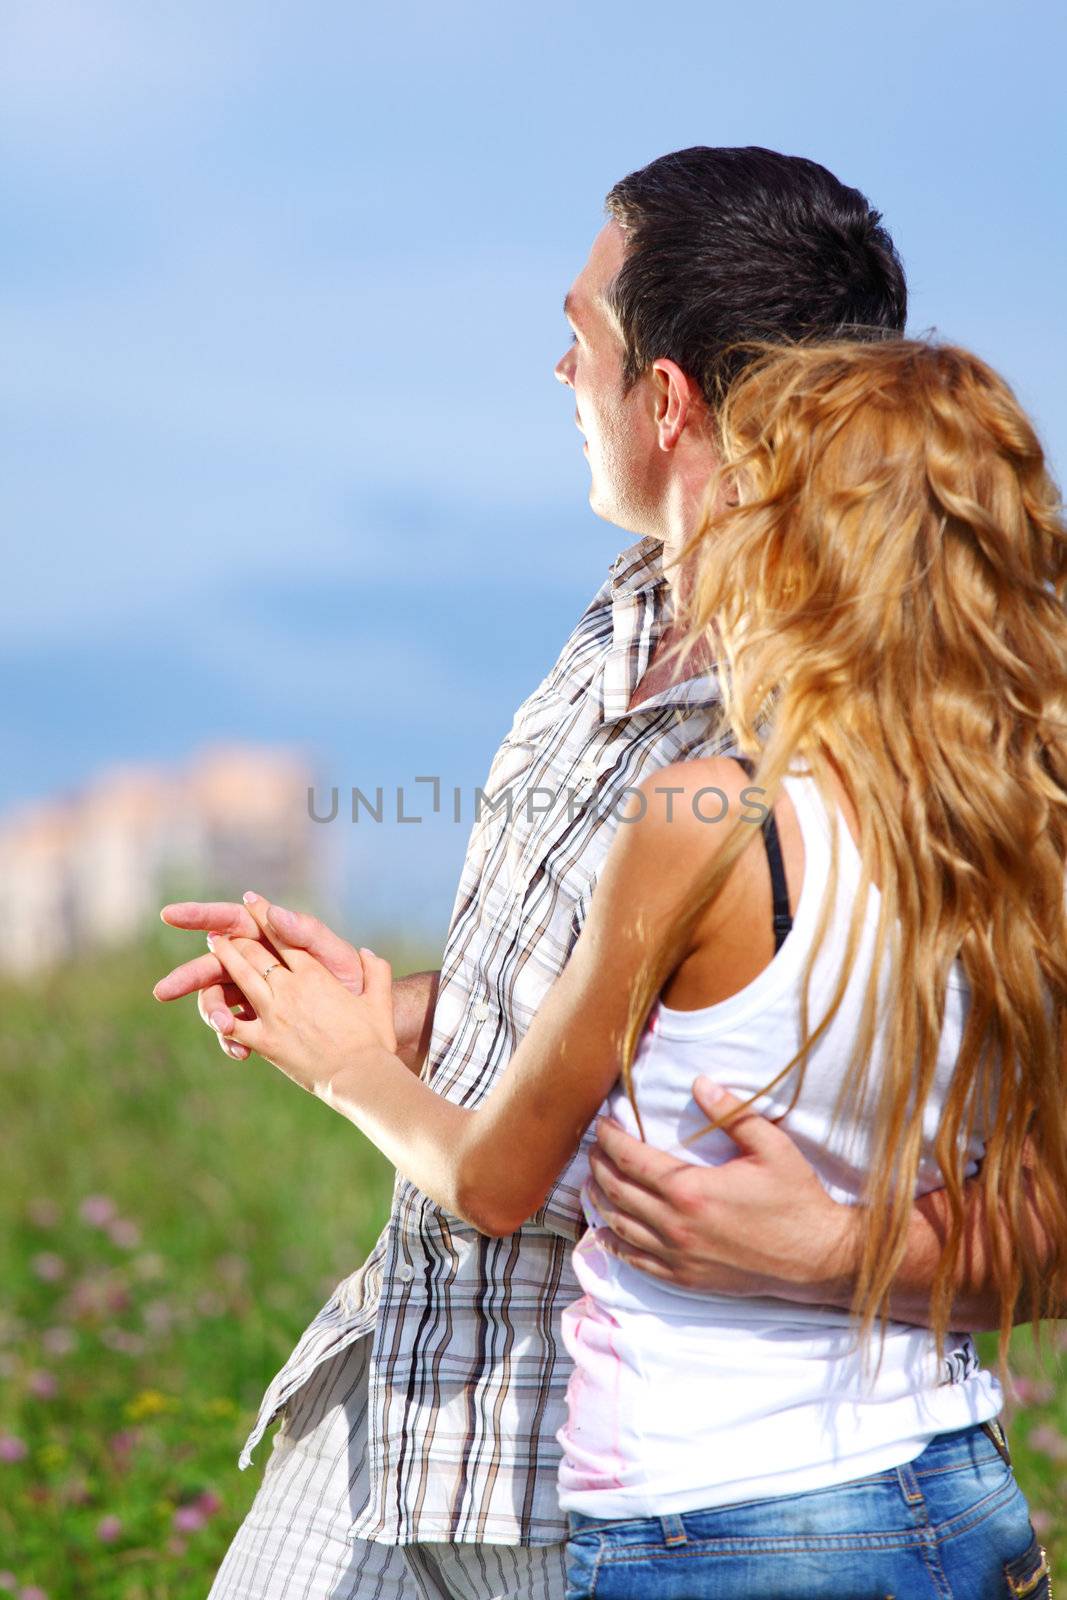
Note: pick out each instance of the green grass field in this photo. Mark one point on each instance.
(172, 1220)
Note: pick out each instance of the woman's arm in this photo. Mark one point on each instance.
(492, 1166)
(975, 1299)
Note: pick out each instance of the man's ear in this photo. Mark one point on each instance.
(677, 401)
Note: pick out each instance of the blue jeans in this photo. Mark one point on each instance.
(951, 1525)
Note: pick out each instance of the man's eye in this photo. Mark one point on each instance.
(574, 338)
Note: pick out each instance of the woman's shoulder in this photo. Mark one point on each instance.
(680, 814)
(688, 787)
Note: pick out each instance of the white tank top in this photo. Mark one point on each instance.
(681, 1400)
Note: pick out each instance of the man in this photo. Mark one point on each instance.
(417, 1452)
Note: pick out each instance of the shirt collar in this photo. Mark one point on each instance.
(639, 566)
(635, 569)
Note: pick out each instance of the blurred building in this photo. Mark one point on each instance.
(92, 868)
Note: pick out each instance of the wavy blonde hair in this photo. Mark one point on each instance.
(881, 565)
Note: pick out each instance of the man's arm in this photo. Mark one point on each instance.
(762, 1224)
(975, 1302)
(414, 1000)
(415, 995)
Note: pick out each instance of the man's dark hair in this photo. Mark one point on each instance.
(728, 245)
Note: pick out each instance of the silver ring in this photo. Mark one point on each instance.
(271, 968)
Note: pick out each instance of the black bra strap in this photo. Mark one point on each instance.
(782, 920)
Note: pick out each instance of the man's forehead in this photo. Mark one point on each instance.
(587, 292)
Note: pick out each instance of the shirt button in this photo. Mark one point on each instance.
(405, 1272)
(480, 1011)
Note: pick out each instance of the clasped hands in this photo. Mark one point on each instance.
(309, 1003)
(290, 1008)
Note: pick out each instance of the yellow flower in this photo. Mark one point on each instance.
(220, 1407)
(149, 1403)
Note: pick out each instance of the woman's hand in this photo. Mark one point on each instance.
(307, 1023)
(203, 975)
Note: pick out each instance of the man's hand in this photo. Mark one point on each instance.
(759, 1224)
(414, 995)
(762, 1223)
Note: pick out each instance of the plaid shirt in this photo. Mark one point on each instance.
(468, 1373)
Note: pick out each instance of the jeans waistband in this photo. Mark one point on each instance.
(961, 1447)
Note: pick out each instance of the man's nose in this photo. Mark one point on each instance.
(564, 368)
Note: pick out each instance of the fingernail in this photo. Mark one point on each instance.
(210, 941)
(365, 950)
(710, 1091)
(218, 1020)
(248, 896)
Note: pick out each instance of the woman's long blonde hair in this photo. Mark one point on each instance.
(881, 565)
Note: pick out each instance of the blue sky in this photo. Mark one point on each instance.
(282, 454)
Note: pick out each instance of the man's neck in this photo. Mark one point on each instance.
(664, 665)
(683, 512)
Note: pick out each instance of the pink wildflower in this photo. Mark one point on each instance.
(1048, 1441)
(189, 1519)
(97, 1210)
(48, 1266)
(120, 1339)
(158, 1316)
(59, 1341)
(124, 1233)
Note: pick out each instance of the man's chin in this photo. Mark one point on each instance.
(608, 511)
(602, 506)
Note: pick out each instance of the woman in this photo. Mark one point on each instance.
(882, 568)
